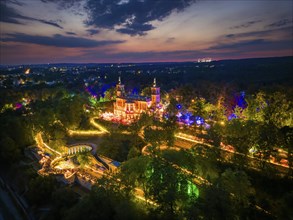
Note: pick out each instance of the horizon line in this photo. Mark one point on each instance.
(154, 62)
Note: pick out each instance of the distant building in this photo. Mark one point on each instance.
(204, 60)
(132, 106)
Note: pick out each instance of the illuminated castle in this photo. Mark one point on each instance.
(132, 106)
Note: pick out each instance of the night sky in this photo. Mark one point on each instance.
(83, 31)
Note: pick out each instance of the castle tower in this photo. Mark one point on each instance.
(119, 88)
(156, 98)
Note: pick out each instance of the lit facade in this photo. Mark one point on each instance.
(132, 106)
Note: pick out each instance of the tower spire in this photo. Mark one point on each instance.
(119, 80)
(154, 83)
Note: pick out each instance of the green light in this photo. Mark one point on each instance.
(149, 172)
(192, 190)
(93, 100)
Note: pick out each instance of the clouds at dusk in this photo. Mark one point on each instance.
(58, 40)
(10, 15)
(131, 17)
(142, 30)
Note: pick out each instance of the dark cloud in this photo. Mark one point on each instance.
(63, 4)
(52, 23)
(70, 33)
(57, 40)
(10, 15)
(75, 6)
(280, 23)
(253, 45)
(230, 35)
(246, 24)
(285, 31)
(236, 45)
(135, 29)
(93, 31)
(170, 40)
(15, 2)
(133, 16)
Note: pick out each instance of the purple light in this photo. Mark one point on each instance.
(18, 105)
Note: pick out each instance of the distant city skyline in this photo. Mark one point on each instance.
(117, 31)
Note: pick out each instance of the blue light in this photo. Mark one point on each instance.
(135, 91)
(232, 116)
(178, 106)
(199, 120)
(240, 100)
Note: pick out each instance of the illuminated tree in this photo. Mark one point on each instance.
(110, 94)
(279, 110)
(198, 108)
(255, 107)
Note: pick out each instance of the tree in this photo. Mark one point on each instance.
(84, 158)
(62, 200)
(172, 107)
(255, 107)
(119, 149)
(169, 127)
(40, 190)
(204, 161)
(285, 210)
(110, 94)
(136, 172)
(216, 204)
(198, 107)
(238, 185)
(268, 140)
(287, 133)
(279, 110)
(70, 111)
(104, 203)
(171, 189)
(236, 134)
(9, 151)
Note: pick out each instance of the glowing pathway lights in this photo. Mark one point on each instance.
(41, 144)
(139, 194)
(191, 138)
(84, 133)
(51, 149)
(228, 148)
(101, 129)
(98, 126)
